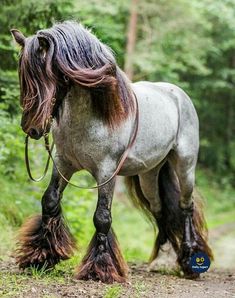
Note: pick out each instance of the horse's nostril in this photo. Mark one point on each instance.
(34, 133)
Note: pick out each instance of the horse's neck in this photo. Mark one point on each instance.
(79, 100)
(77, 105)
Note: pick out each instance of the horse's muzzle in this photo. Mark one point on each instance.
(34, 133)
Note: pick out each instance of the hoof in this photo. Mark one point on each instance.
(103, 262)
(165, 260)
(192, 275)
(43, 245)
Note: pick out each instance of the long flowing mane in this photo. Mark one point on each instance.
(68, 50)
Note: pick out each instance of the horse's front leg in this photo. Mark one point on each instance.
(103, 260)
(45, 239)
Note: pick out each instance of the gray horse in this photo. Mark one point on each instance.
(67, 74)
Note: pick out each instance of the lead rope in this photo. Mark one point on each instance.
(49, 150)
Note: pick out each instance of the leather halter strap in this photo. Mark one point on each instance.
(50, 149)
(27, 163)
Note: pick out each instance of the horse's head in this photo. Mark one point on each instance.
(37, 83)
(64, 55)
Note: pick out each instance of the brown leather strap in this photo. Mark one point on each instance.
(28, 163)
(120, 163)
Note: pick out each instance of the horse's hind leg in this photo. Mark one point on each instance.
(163, 256)
(45, 239)
(194, 236)
(103, 261)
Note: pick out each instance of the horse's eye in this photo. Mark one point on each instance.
(42, 51)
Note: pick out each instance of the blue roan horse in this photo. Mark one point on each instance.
(67, 74)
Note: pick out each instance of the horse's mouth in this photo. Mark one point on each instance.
(34, 133)
(37, 133)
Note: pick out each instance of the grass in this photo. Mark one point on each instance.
(12, 285)
(140, 289)
(38, 273)
(43, 285)
(113, 291)
(219, 198)
(16, 284)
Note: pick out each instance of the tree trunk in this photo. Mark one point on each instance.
(230, 122)
(131, 39)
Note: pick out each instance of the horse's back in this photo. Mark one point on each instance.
(167, 91)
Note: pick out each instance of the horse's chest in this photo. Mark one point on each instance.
(82, 146)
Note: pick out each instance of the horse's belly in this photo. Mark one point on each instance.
(140, 162)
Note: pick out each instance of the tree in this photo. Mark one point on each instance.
(131, 38)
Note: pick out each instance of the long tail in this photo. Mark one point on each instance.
(170, 223)
(138, 199)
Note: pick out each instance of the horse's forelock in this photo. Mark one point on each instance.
(38, 83)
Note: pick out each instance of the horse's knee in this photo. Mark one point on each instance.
(102, 220)
(186, 200)
(51, 202)
(186, 187)
(156, 206)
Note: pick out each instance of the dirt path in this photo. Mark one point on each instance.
(223, 243)
(141, 284)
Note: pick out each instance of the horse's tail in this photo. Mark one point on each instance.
(171, 221)
(138, 199)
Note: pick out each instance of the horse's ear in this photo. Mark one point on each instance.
(43, 43)
(18, 36)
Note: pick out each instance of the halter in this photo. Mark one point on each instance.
(50, 149)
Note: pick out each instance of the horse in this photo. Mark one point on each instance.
(71, 85)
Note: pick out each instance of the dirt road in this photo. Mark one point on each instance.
(141, 284)
(218, 282)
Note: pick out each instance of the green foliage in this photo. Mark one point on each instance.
(216, 107)
(217, 191)
(173, 51)
(79, 206)
(108, 20)
(11, 148)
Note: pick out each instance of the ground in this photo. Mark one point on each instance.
(141, 284)
(219, 281)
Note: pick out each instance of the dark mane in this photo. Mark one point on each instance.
(68, 50)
